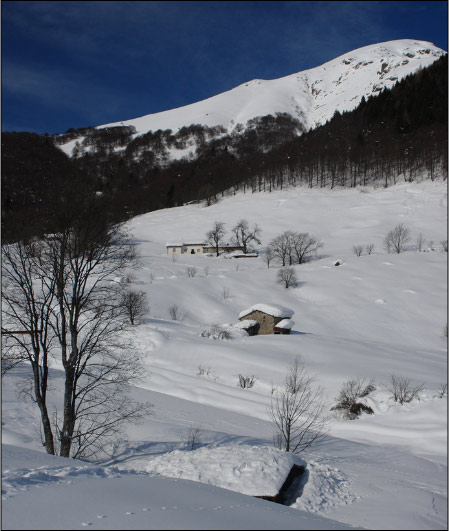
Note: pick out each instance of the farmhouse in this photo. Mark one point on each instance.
(198, 248)
(272, 319)
(185, 248)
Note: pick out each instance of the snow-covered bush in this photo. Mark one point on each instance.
(348, 400)
(217, 332)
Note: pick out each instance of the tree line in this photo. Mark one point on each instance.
(399, 134)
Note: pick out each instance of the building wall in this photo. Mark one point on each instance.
(266, 322)
(174, 250)
(187, 249)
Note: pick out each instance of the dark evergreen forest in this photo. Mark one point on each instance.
(400, 134)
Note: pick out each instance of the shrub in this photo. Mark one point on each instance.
(396, 239)
(402, 390)
(351, 392)
(357, 250)
(192, 438)
(370, 248)
(217, 332)
(442, 391)
(246, 382)
(175, 313)
(191, 272)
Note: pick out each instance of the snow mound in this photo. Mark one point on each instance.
(251, 470)
(326, 488)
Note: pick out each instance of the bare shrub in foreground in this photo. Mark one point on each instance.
(297, 410)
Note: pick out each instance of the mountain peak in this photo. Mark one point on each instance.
(311, 96)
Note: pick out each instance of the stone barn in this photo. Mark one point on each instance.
(268, 316)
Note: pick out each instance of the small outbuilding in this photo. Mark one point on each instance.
(268, 317)
(249, 325)
(284, 327)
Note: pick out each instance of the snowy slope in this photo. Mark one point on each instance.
(373, 316)
(311, 96)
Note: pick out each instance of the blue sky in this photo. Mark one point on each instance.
(78, 64)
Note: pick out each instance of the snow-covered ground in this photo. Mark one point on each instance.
(373, 316)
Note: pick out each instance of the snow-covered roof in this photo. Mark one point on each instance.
(251, 470)
(247, 323)
(274, 310)
(285, 323)
(182, 244)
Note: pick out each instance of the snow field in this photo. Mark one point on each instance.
(372, 316)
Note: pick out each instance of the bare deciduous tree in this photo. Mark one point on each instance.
(444, 245)
(420, 241)
(268, 255)
(27, 306)
(294, 247)
(216, 234)
(396, 239)
(192, 438)
(402, 390)
(287, 277)
(297, 410)
(243, 235)
(304, 246)
(61, 291)
(135, 304)
(281, 247)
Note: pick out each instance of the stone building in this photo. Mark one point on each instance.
(268, 316)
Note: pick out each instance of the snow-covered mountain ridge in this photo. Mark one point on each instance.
(311, 96)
